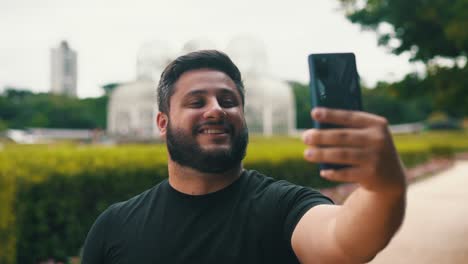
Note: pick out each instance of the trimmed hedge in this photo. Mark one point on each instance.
(50, 195)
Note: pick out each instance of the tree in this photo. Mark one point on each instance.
(22, 109)
(3, 125)
(428, 29)
(110, 87)
(303, 105)
(425, 28)
(449, 89)
(385, 100)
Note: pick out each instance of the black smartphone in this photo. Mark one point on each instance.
(334, 83)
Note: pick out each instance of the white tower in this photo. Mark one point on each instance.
(63, 70)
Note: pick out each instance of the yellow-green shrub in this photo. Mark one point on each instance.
(50, 195)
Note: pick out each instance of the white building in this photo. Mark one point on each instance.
(63, 70)
(132, 107)
(269, 108)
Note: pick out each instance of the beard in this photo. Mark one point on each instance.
(186, 151)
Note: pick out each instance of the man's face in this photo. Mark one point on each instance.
(206, 129)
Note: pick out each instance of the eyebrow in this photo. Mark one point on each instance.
(197, 92)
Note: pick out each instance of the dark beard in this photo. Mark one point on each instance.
(184, 150)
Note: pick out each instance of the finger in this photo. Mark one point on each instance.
(350, 156)
(343, 137)
(352, 174)
(347, 118)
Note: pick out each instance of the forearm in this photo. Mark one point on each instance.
(368, 220)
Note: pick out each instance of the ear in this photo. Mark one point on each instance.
(162, 120)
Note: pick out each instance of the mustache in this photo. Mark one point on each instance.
(229, 127)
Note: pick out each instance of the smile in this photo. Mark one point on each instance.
(213, 131)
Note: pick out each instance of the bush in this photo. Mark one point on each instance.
(441, 151)
(54, 216)
(51, 195)
(441, 121)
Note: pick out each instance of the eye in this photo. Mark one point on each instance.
(195, 103)
(228, 102)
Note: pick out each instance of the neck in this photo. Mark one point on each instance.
(190, 181)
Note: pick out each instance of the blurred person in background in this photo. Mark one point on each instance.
(212, 210)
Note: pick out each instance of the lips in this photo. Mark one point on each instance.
(213, 129)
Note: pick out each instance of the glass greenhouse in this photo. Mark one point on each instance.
(269, 108)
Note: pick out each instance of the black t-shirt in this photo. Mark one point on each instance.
(250, 221)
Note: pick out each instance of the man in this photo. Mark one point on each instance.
(212, 210)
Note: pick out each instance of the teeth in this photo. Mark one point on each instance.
(213, 131)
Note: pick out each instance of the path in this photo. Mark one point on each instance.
(435, 229)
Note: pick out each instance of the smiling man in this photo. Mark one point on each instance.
(212, 210)
(208, 141)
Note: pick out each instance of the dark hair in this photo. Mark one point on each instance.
(211, 59)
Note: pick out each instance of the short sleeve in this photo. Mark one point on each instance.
(295, 201)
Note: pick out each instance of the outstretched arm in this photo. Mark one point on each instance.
(356, 231)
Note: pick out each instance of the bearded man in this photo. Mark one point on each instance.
(212, 210)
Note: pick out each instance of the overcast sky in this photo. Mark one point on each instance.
(107, 34)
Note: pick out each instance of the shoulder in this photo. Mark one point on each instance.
(114, 216)
(258, 184)
(282, 188)
(282, 203)
(135, 204)
(284, 198)
(111, 224)
(254, 178)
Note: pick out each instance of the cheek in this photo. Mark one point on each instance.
(186, 118)
(237, 117)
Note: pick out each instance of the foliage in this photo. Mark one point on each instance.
(303, 105)
(58, 191)
(51, 194)
(108, 88)
(428, 30)
(448, 88)
(3, 125)
(21, 109)
(443, 89)
(382, 100)
(425, 28)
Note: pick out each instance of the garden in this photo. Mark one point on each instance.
(51, 194)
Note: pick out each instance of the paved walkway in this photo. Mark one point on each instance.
(435, 229)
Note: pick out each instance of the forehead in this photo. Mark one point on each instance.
(207, 80)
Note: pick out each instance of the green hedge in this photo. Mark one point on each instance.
(51, 195)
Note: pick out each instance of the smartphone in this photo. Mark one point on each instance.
(334, 83)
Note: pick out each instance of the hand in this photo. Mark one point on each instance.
(365, 143)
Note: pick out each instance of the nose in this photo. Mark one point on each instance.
(214, 111)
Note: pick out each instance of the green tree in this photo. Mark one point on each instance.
(449, 89)
(3, 125)
(21, 109)
(303, 105)
(382, 100)
(427, 30)
(110, 87)
(385, 100)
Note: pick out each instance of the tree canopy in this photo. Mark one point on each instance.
(22, 109)
(425, 28)
(428, 30)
